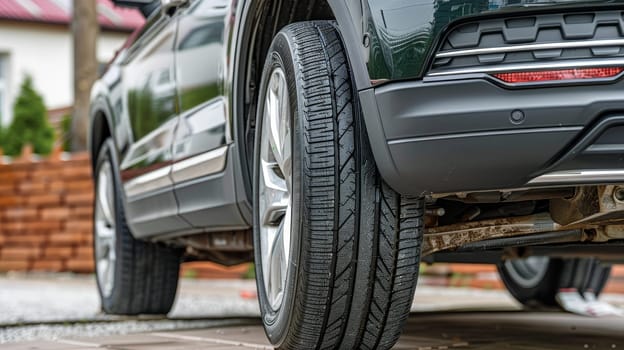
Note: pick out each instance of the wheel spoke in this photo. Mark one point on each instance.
(275, 212)
(274, 125)
(272, 180)
(278, 112)
(104, 197)
(105, 241)
(102, 266)
(268, 240)
(276, 263)
(285, 162)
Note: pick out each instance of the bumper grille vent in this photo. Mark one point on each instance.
(550, 40)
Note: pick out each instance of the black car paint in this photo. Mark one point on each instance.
(404, 33)
(386, 41)
(437, 136)
(192, 56)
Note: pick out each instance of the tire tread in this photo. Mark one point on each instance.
(336, 165)
(147, 273)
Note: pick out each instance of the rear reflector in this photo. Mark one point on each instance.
(557, 75)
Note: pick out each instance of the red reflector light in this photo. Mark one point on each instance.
(562, 74)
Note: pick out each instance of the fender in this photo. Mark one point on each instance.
(99, 105)
(350, 16)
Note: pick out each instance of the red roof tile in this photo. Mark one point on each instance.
(59, 12)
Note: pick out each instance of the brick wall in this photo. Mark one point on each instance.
(46, 217)
(45, 213)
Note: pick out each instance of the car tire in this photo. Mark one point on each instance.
(342, 271)
(535, 281)
(133, 276)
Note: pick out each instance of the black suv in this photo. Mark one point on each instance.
(339, 143)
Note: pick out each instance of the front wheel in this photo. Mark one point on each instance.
(337, 251)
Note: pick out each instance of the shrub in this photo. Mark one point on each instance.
(30, 123)
(250, 273)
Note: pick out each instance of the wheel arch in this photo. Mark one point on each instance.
(100, 128)
(260, 22)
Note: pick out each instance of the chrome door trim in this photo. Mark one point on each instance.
(204, 164)
(151, 181)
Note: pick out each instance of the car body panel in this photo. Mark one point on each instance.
(436, 135)
(199, 63)
(199, 67)
(203, 172)
(403, 33)
(150, 98)
(190, 158)
(151, 108)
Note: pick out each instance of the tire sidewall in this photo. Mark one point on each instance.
(277, 322)
(107, 155)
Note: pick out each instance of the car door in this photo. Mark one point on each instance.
(151, 103)
(200, 151)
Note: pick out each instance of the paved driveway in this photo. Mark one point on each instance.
(425, 331)
(62, 313)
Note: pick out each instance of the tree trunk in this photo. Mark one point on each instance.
(85, 30)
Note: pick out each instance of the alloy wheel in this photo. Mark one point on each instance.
(105, 255)
(275, 188)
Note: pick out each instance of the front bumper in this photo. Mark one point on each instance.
(459, 136)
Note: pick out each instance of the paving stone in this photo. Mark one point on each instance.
(43, 345)
(230, 338)
(126, 340)
(250, 335)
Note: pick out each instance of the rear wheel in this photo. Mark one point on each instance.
(133, 277)
(535, 281)
(337, 250)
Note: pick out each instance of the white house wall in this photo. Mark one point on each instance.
(45, 52)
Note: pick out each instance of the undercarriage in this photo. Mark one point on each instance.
(492, 226)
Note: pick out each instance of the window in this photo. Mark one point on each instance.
(210, 33)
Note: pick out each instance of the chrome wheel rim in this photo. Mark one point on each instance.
(105, 255)
(274, 188)
(527, 272)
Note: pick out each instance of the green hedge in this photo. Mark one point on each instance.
(30, 124)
